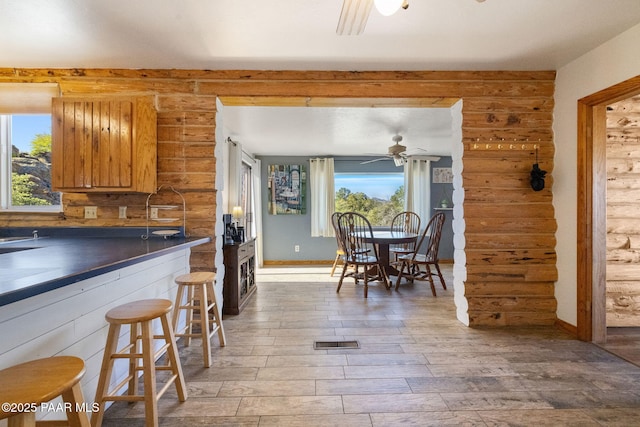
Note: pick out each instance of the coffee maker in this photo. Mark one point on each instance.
(230, 231)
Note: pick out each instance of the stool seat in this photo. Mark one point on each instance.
(200, 297)
(196, 278)
(141, 356)
(138, 311)
(42, 380)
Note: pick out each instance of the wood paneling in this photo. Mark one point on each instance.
(623, 221)
(510, 227)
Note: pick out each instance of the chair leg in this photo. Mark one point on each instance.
(335, 264)
(444, 286)
(430, 277)
(366, 282)
(344, 271)
(404, 263)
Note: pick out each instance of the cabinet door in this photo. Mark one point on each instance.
(112, 144)
(71, 144)
(93, 146)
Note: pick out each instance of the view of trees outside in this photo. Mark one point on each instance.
(31, 174)
(378, 211)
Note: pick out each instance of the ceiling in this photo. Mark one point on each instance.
(301, 131)
(301, 35)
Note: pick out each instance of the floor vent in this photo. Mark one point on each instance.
(332, 345)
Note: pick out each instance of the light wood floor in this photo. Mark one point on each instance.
(416, 366)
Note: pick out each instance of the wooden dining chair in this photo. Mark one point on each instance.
(340, 249)
(360, 251)
(408, 222)
(410, 264)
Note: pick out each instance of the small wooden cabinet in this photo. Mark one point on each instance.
(239, 276)
(104, 145)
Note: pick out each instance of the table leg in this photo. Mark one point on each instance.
(383, 253)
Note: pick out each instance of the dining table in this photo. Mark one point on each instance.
(383, 239)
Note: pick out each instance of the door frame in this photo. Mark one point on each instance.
(592, 205)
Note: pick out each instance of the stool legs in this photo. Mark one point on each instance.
(148, 368)
(174, 358)
(217, 316)
(149, 375)
(76, 418)
(105, 373)
(204, 324)
(188, 307)
(207, 306)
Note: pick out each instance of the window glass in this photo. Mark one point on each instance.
(378, 196)
(26, 151)
(246, 200)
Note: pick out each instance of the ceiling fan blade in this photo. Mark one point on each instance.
(375, 160)
(354, 17)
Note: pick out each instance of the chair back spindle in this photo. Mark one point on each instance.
(408, 222)
(357, 237)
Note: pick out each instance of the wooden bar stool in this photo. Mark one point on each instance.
(139, 314)
(204, 300)
(29, 385)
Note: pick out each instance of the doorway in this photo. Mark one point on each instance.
(592, 204)
(454, 105)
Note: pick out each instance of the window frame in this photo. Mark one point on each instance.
(364, 174)
(6, 185)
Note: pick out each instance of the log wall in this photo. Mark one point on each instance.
(510, 229)
(623, 221)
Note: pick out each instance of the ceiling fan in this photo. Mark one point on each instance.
(355, 13)
(398, 153)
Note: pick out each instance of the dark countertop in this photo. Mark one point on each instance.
(53, 262)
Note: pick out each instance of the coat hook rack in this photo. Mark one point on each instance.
(504, 146)
(166, 233)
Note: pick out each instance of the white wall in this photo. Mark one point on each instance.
(611, 63)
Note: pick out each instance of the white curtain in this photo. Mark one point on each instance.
(234, 174)
(257, 209)
(417, 184)
(322, 197)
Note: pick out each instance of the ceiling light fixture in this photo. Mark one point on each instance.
(388, 7)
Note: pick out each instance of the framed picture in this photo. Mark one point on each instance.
(287, 185)
(442, 176)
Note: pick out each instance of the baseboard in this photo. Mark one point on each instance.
(567, 327)
(298, 262)
(317, 262)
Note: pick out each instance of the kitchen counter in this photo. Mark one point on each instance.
(47, 263)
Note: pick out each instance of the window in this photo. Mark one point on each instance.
(378, 196)
(25, 147)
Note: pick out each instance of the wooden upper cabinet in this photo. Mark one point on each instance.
(104, 145)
